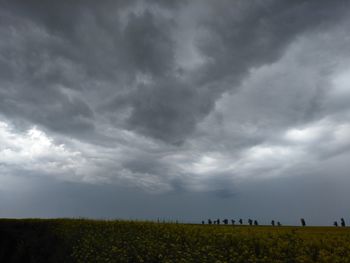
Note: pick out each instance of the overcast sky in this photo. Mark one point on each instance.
(175, 109)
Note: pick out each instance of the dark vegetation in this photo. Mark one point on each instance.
(67, 240)
(32, 241)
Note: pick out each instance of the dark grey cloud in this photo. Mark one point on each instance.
(169, 99)
(242, 36)
(194, 98)
(150, 45)
(78, 44)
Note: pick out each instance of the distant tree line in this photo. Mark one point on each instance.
(342, 223)
(252, 222)
(249, 222)
(240, 221)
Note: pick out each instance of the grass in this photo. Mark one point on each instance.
(79, 240)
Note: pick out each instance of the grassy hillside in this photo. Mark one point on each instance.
(65, 240)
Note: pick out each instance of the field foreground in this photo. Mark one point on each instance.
(76, 240)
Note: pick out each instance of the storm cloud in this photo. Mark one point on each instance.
(193, 99)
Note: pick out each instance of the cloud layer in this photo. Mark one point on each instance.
(187, 96)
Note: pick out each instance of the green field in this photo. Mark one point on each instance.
(67, 240)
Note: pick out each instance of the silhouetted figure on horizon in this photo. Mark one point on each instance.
(250, 221)
(273, 222)
(218, 221)
(279, 223)
(335, 224)
(233, 222)
(256, 223)
(203, 222)
(240, 221)
(303, 223)
(342, 222)
(225, 221)
(210, 222)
